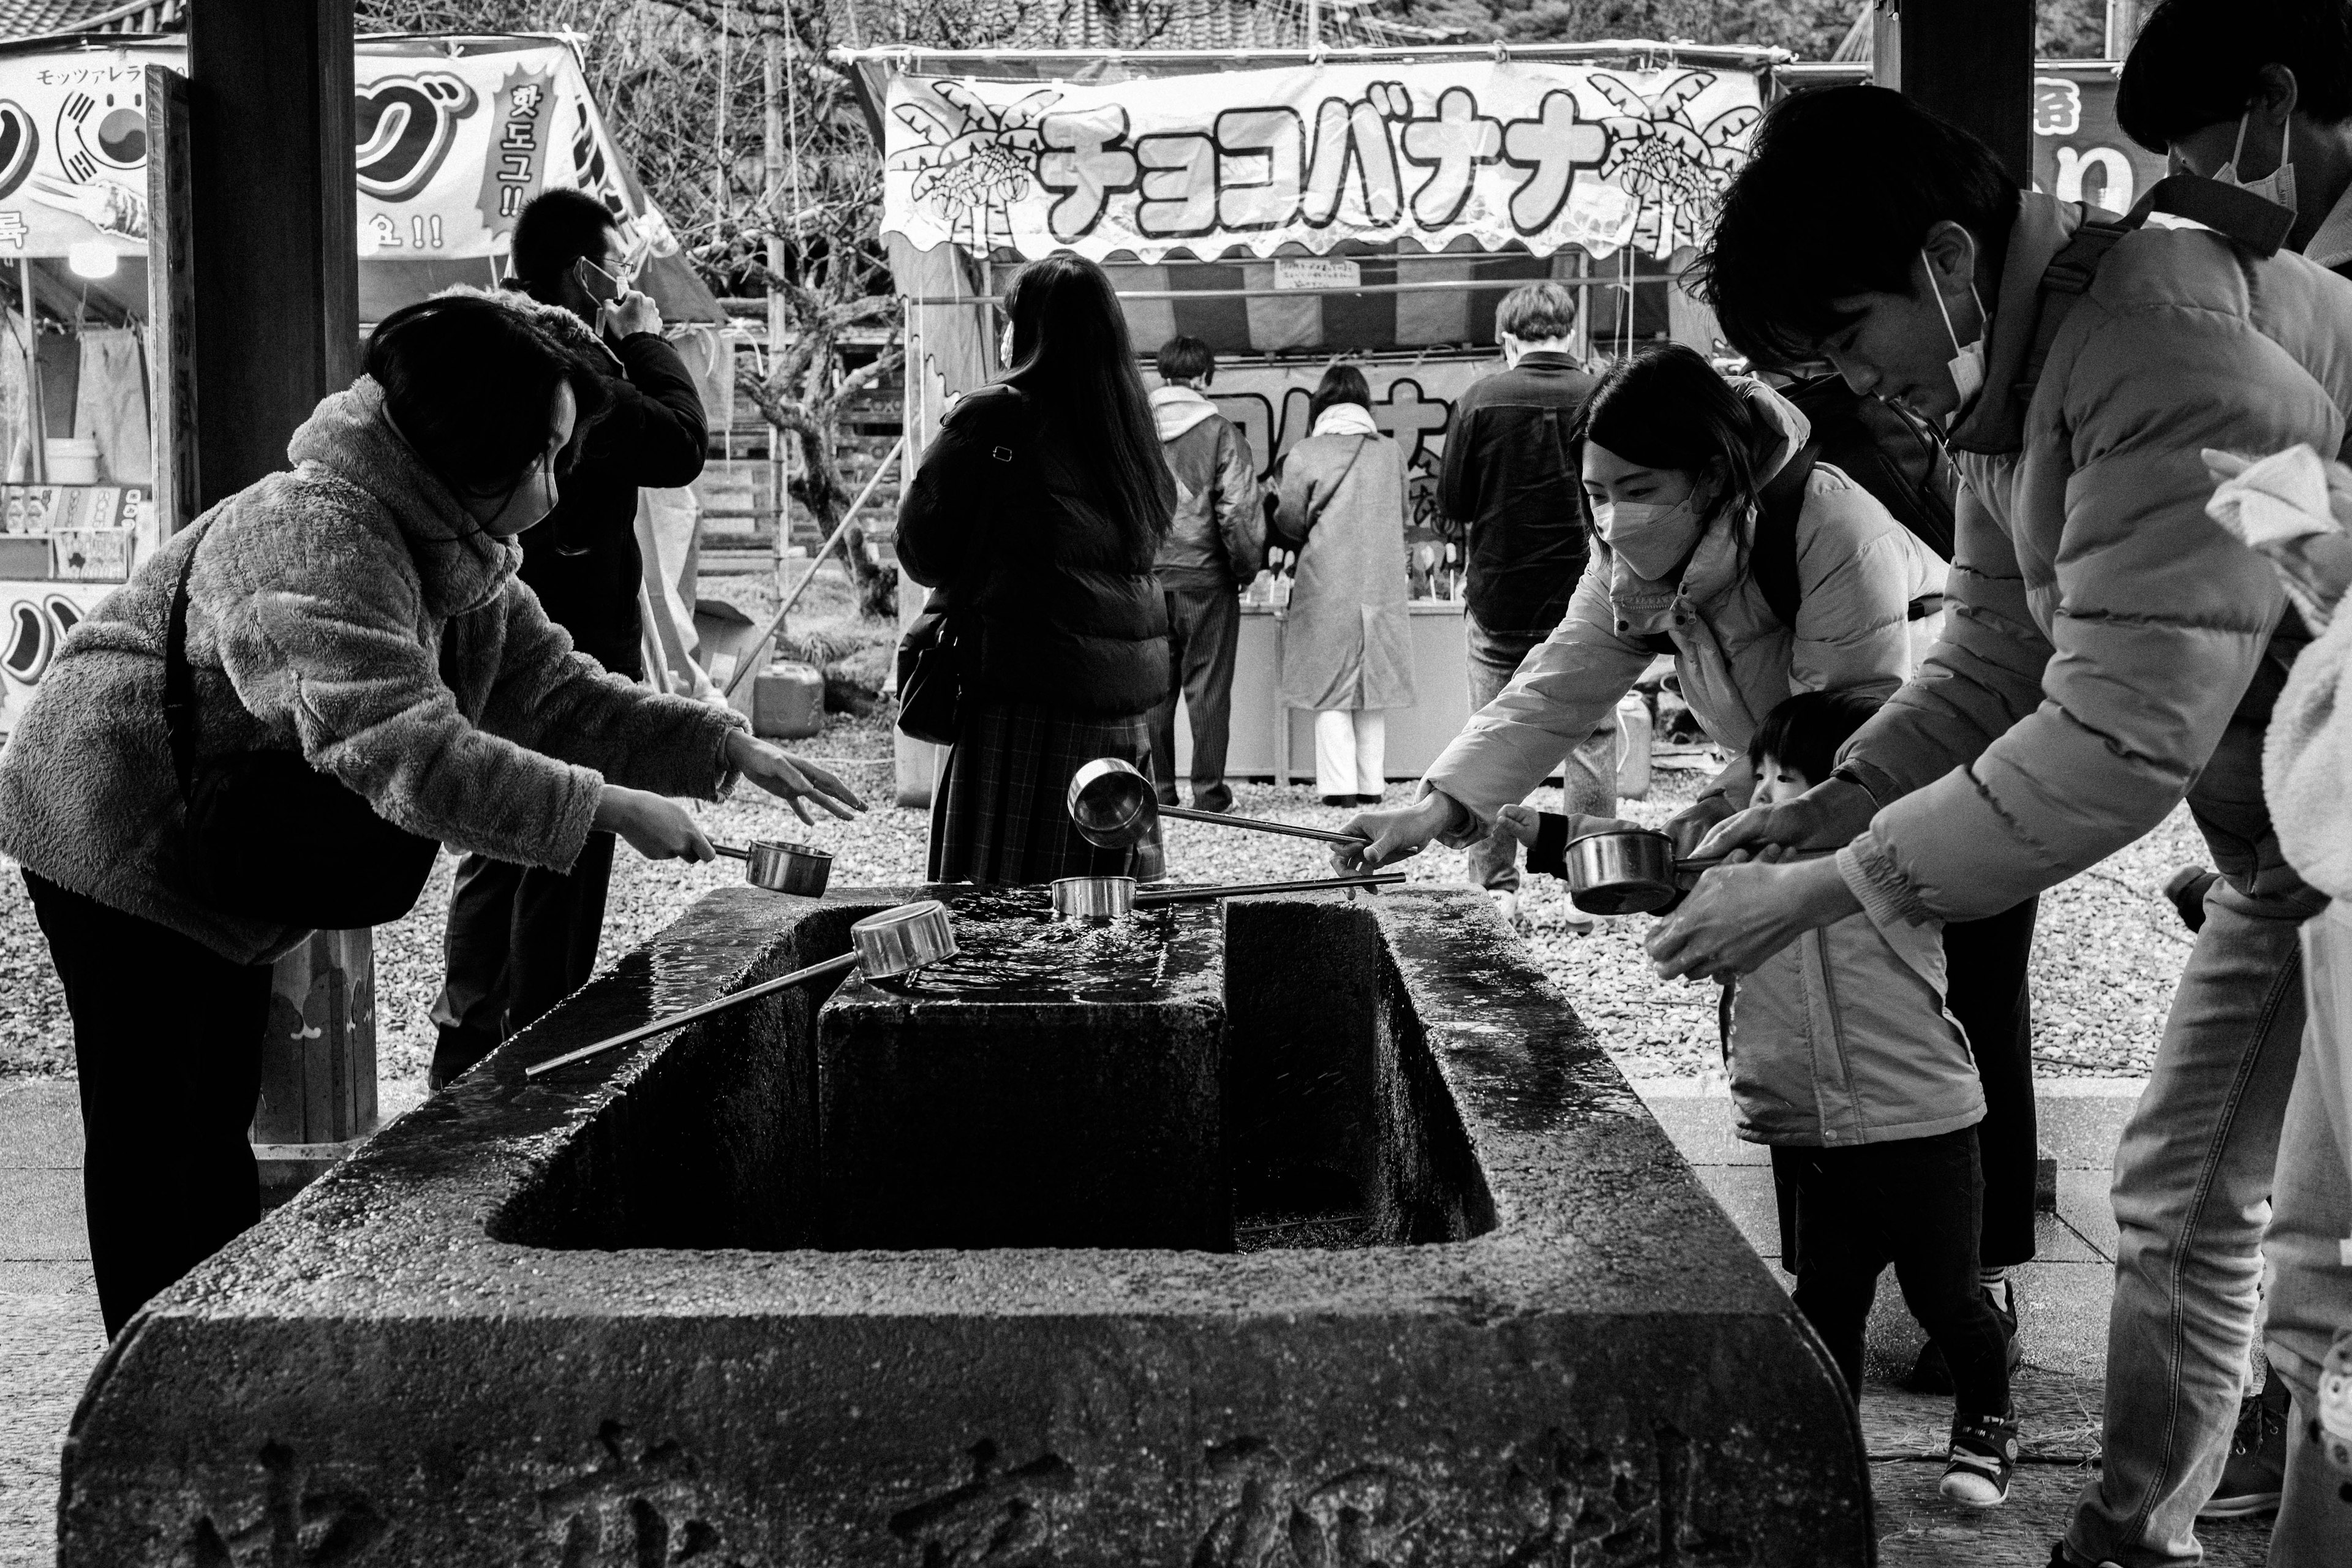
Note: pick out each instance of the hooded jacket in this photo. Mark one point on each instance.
(1843, 1038)
(354, 611)
(2107, 647)
(1217, 541)
(1858, 570)
(653, 433)
(1057, 602)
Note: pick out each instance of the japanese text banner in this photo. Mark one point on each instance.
(1545, 155)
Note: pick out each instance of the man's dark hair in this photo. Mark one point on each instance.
(468, 382)
(1185, 359)
(556, 229)
(2198, 62)
(1837, 199)
(1536, 312)
(1805, 731)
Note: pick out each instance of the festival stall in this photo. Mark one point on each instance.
(1290, 209)
(455, 134)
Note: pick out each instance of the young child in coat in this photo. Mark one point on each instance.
(1845, 1061)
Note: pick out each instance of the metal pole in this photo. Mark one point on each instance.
(752, 659)
(39, 453)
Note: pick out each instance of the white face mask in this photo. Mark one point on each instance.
(529, 504)
(2277, 186)
(1967, 365)
(1654, 539)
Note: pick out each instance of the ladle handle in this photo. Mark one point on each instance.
(1251, 890)
(661, 1025)
(1258, 824)
(731, 852)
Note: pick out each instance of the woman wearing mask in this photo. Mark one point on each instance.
(1347, 652)
(1036, 517)
(361, 612)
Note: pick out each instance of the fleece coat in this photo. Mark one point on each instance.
(2107, 647)
(354, 611)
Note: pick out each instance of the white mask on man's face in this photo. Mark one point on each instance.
(2278, 185)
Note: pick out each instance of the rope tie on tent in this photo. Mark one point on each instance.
(1502, 52)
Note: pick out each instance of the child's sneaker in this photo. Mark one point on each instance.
(1984, 1453)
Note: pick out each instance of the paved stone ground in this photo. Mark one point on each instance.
(2063, 1300)
(50, 1336)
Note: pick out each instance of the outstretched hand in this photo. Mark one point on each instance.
(791, 779)
(1744, 912)
(1830, 815)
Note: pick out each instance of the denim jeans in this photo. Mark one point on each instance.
(2310, 1285)
(1588, 774)
(2192, 1195)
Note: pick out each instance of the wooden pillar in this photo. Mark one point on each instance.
(275, 201)
(1971, 61)
(2123, 17)
(273, 197)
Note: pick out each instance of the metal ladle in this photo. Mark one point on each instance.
(1114, 807)
(1112, 898)
(894, 942)
(1627, 871)
(782, 866)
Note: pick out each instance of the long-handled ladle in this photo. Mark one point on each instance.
(1114, 807)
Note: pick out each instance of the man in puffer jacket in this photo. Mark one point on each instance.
(520, 939)
(1216, 543)
(2108, 651)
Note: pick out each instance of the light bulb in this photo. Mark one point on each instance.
(91, 259)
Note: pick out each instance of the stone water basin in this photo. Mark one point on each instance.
(1309, 1230)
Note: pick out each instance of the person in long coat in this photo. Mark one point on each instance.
(1346, 650)
(1035, 517)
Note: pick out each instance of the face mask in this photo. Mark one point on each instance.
(1654, 539)
(529, 505)
(2277, 186)
(1967, 365)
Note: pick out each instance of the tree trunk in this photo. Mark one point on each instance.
(824, 495)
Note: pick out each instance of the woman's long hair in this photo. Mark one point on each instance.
(1072, 359)
(1665, 407)
(1340, 384)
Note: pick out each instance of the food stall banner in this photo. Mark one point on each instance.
(453, 136)
(1499, 153)
(2080, 153)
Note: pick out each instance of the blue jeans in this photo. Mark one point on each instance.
(1588, 774)
(2192, 1196)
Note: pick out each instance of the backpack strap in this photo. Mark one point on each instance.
(2238, 216)
(1772, 557)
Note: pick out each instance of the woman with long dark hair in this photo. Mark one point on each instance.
(359, 614)
(1347, 653)
(1036, 517)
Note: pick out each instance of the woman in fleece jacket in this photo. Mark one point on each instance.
(363, 609)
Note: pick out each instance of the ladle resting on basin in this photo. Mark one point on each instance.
(1115, 808)
(1110, 898)
(894, 942)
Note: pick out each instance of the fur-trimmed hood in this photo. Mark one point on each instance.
(558, 324)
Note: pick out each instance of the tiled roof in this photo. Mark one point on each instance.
(42, 18)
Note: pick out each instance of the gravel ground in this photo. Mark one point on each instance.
(2107, 954)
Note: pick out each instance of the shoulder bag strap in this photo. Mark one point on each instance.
(1772, 560)
(1333, 493)
(179, 677)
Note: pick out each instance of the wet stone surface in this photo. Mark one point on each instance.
(1472, 1308)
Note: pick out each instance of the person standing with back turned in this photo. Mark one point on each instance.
(521, 938)
(1216, 543)
(1510, 484)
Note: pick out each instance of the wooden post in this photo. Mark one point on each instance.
(273, 204)
(1971, 61)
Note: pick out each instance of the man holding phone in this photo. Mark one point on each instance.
(521, 940)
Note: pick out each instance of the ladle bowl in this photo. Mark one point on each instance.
(1114, 807)
(1093, 898)
(782, 866)
(1627, 871)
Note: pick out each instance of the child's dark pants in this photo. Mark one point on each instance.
(1915, 1204)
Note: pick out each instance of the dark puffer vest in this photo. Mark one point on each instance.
(1057, 605)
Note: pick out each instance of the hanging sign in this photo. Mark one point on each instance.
(2080, 153)
(450, 144)
(1540, 154)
